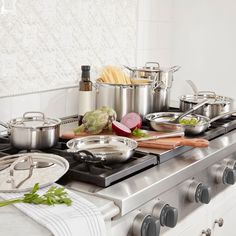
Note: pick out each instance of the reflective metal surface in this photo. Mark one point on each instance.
(141, 188)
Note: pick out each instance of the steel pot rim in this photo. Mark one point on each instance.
(219, 100)
(149, 83)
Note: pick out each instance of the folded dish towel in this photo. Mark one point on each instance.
(81, 218)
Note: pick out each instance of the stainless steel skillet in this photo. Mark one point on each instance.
(160, 122)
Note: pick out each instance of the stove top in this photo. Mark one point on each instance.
(105, 175)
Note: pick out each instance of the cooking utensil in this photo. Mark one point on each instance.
(169, 121)
(162, 81)
(194, 108)
(159, 123)
(125, 98)
(17, 179)
(33, 131)
(112, 148)
(215, 106)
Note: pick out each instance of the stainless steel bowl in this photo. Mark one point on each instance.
(106, 148)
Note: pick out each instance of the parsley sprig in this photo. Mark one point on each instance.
(54, 195)
(139, 133)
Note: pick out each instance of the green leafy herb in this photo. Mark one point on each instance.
(192, 121)
(54, 195)
(139, 133)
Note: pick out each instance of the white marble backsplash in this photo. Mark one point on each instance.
(43, 43)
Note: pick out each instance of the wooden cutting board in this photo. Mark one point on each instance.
(163, 143)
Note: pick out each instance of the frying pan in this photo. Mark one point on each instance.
(102, 148)
(160, 122)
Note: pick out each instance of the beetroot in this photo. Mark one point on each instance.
(120, 129)
(132, 120)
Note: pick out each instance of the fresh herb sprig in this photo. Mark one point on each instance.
(54, 195)
(139, 133)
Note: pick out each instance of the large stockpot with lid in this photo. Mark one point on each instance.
(215, 106)
(125, 98)
(162, 79)
(33, 131)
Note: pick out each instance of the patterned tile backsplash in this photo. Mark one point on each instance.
(43, 43)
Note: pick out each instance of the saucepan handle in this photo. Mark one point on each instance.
(196, 142)
(3, 124)
(174, 68)
(222, 116)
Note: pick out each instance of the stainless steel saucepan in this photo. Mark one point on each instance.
(215, 106)
(33, 131)
(105, 149)
(160, 122)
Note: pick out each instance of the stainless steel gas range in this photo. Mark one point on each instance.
(180, 192)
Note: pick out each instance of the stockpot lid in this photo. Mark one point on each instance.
(211, 97)
(34, 120)
(151, 67)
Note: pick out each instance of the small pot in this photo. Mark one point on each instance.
(215, 106)
(159, 122)
(33, 131)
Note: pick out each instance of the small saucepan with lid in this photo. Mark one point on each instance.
(193, 124)
(33, 131)
(215, 106)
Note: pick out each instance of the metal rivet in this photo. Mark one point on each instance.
(206, 232)
(220, 222)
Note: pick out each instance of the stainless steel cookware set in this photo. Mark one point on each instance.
(142, 98)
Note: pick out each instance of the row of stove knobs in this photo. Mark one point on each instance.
(149, 225)
(166, 215)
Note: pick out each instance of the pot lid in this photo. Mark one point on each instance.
(212, 98)
(153, 67)
(20, 172)
(34, 120)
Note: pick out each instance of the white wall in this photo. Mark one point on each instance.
(154, 32)
(204, 44)
(198, 35)
(44, 43)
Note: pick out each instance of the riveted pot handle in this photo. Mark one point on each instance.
(206, 93)
(174, 68)
(3, 124)
(222, 116)
(34, 112)
(152, 63)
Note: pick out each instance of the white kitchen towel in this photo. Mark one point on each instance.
(82, 218)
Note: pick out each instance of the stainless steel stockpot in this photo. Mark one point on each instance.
(33, 131)
(125, 98)
(162, 79)
(215, 106)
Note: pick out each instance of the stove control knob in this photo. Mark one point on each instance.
(225, 175)
(230, 163)
(146, 225)
(167, 214)
(197, 192)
